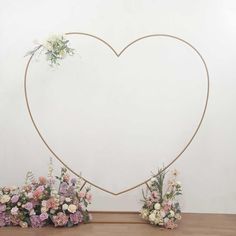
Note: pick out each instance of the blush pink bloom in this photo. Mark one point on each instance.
(60, 219)
(170, 225)
(166, 207)
(154, 194)
(42, 180)
(81, 194)
(52, 203)
(38, 192)
(88, 197)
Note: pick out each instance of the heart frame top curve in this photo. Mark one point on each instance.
(118, 54)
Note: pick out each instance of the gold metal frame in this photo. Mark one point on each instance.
(118, 54)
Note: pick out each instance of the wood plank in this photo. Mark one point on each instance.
(191, 225)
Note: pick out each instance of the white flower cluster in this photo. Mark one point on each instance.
(160, 207)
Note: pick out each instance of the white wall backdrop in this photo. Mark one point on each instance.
(207, 167)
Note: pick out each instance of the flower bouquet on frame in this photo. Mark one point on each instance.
(57, 201)
(161, 207)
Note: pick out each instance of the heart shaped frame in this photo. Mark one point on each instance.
(118, 54)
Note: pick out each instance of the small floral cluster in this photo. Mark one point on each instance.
(160, 205)
(56, 48)
(43, 202)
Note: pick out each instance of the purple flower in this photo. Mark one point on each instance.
(70, 191)
(4, 219)
(76, 217)
(43, 216)
(2, 208)
(28, 206)
(14, 198)
(35, 221)
(63, 187)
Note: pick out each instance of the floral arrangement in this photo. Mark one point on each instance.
(57, 201)
(161, 207)
(56, 48)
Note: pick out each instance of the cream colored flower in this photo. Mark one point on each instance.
(157, 206)
(44, 209)
(152, 217)
(5, 198)
(178, 216)
(144, 214)
(172, 214)
(72, 208)
(23, 224)
(64, 207)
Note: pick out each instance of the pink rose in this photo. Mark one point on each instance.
(88, 196)
(154, 194)
(60, 219)
(81, 194)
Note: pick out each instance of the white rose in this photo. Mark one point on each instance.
(5, 198)
(64, 207)
(67, 199)
(72, 208)
(157, 206)
(52, 211)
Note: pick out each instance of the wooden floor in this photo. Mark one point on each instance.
(128, 224)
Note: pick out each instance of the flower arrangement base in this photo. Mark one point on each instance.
(55, 200)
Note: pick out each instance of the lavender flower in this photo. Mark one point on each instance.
(14, 198)
(63, 187)
(35, 221)
(28, 206)
(76, 218)
(2, 208)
